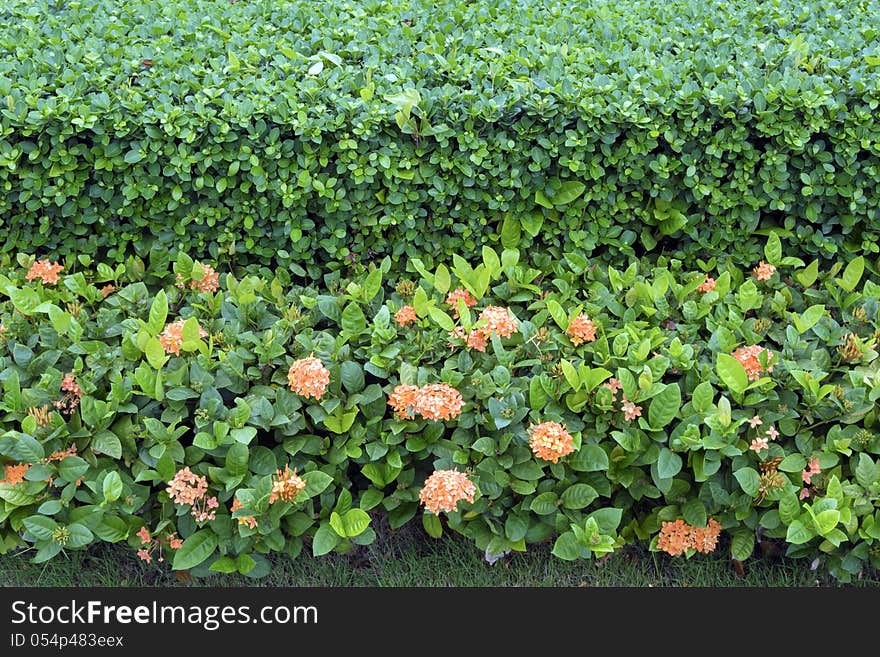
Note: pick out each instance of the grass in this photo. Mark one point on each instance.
(405, 558)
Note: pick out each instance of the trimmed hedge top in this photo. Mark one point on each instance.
(337, 127)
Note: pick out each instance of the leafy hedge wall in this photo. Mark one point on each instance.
(289, 132)
(214, 420)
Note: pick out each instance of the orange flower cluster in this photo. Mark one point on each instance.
(498, 320)
(764, 271)
(444, 489)
(209, 283)
(72, 394)
(308, 377)
(749, 358)
(581, 329)
(286, 485)
(189, 489)
(107, 290)
(435, 401)
(250, 521)
(62, 454)
(14, 474)
(406, 316)
(476, 339)
(550, 441)
(707, 285)
(459, 293)
(3, 331)
(677, 537)
(153, 543)
(45, 270)
(171, 338)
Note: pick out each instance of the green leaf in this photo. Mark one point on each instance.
(789, 507)
(589, 458)
(355, 522)
(432, 525)
(224, 565)
(567, 547)
(112, 487)
(798, 533)
(325, 540)
(578, 496)
(558, 314)
(440, 318)
(510, 232)
(515, 527)
(107, 442)
(806, 320)
(316, 482)
(442, 279)
(809, 275)
(155, 353)
(826, 520)
(353, 320)
(237, 459)
(852, 274)
(793, 463)
(749, 480)
(773, 249)
(372, 285)
(79, 536)
(742, 544)
(40, 527)
(664, 406)
(732, 373)
(544, 504)
(701, 398)
(694, 513)
(352, 375)
(340, 421)
(571, 375)
(669, 464)
(568, 192)
(196, 549)
(72, 468)
(158, 313)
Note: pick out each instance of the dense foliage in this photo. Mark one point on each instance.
(211, 420)
(303, 133)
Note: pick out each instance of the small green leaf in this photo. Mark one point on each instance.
(112, 487)
(732, 373)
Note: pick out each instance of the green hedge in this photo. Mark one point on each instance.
(140, 409)
(309, 132)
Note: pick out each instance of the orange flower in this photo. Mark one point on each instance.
(444, 489)
(187, 487)
(459, 293)
(438, 401)
(107, 290)
(62, 454)
(250, 521)
(308, 377)
(403, 400)
(476, 339)
(14, 474)
(550, 441)
(630, 410)
(498, 320)
(45, 270)
(406, 316)
(144, 535)
(582, 329)
(764, 271)
(707, 285)
(286, 485)
(210, 281)
(174, 543)
(677, 537)
(171, 338)
(749, 358)
(143, 555)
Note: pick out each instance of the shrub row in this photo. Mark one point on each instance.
(210, 421)
(291, 132)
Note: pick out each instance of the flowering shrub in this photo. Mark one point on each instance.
(602, 407)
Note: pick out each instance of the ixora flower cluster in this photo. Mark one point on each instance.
(444, 489)
(308, 377)
(171, 337)
(550, 441)
(493, 320)
(435, 401)
(207, 284)
(678, 537)
(750, 358)
(189, 489)
(151, 544)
